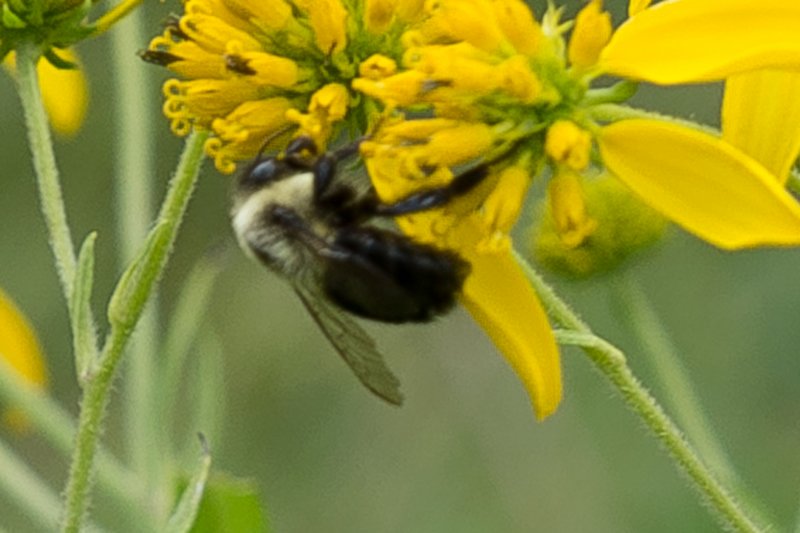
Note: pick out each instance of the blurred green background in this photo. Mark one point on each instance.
(464, 454)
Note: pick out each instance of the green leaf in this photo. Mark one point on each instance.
(183, 517)
(84, 335)
(185, 326)
(207, 389)
(230, 504)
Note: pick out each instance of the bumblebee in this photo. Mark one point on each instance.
(322, 233)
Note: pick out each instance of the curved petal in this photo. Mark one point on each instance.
(702, 183)
(20, 350)
(501, 300)
(65, 94)
(702, 40)
(761, 117)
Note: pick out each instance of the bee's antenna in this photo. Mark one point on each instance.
(271, 137)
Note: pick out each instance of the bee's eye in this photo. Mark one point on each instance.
(266, 171)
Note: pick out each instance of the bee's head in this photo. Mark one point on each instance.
(264, 172)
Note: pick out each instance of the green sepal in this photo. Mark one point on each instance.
(185, 513)
(58, 61)
(11, 19)
(84, 335)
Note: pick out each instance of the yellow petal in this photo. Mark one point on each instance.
(65, 95)
(20, 349)
(702, 40)
(702, 183)
(761, 116)
(501, 300)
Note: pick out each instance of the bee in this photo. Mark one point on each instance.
(322, 233)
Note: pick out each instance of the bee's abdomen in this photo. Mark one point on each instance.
(385, 276)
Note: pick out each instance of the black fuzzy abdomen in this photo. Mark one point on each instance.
(386, 276)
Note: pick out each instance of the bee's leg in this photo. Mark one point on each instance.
(430, 198)
(295, 226)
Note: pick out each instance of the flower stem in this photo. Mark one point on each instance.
(126, 307)
(58, 427)
(44, 163)
(644, 323)
(616, 112)
(27, 490)
(611, 362)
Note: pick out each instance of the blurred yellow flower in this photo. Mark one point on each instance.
(20, 349)
(64, 91)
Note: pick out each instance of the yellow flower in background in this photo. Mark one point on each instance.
(64, 91)
(20, 349)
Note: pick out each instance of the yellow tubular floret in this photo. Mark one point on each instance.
(329, 21)
(591, 33)
(702, 183)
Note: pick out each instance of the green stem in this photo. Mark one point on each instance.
(128, 301)
(133, 182)
(611, 362)
(58, 427)
(642, 320)
(44, 163)
(27, 490)
(616, 112)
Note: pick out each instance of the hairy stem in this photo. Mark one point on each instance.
(126, 307)
(642, 320)
(44, 163)
(612, 364)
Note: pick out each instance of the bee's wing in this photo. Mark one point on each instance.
(353, 343)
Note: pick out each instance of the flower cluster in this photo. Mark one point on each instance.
(441, 86)
(261, 71)
(50, 24)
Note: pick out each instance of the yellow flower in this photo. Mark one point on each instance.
(728, 192)
(20, 349)
(450, 85)
(235, 56)
(456, 65)
(64, 91)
